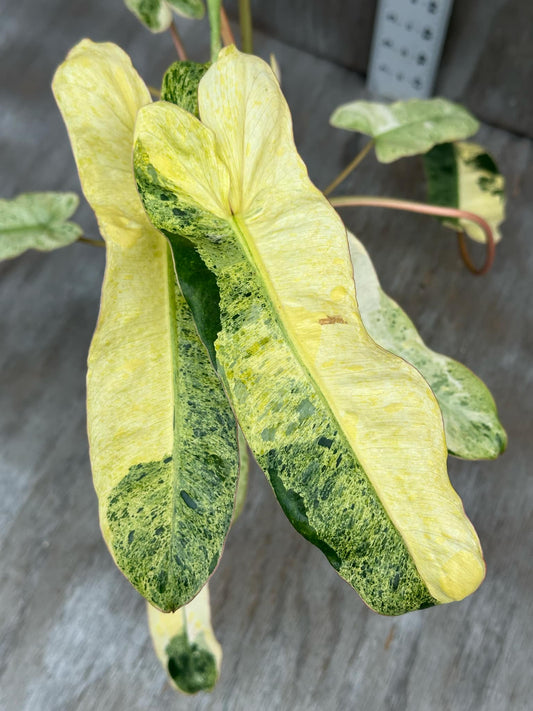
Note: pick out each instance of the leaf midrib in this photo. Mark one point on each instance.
(241, 231)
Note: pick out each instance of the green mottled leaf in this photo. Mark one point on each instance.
(406, 128)
(472, 427)
(186, 646)
(349, 435)
(464, 175)
(37, 221)
(157, 14)
(180, 85)
(162, 435)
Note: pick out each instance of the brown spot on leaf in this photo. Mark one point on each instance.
(331, 319)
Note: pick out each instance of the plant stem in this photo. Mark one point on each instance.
(346, 172)
(178, 44)
(245, 21)
(410, 206)
(93, 242)
(154, 92)
(225, 28)
(213, 9)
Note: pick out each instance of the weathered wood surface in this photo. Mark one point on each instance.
(295, 637)
(487, 62)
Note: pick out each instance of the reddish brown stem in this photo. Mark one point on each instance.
(178, 44)
(225, 29)
(392, 203)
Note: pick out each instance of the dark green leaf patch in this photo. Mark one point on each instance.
(191, 666)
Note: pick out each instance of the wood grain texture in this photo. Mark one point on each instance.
(295, 637)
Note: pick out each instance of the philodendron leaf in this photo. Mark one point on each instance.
(471, 424)
(37, 221)
(464, 175)
(162, 435)
(157, 14)
(349, 435)
(180, 84)
(186, 646)
(406, 128)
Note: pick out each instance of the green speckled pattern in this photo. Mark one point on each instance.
(169, 518)
(473, 430)
(291, 431)
(180, 85)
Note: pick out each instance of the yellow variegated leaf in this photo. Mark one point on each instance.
(349, 435)
(162, 435)
(186, 645)
(471, 424)
(464, 175)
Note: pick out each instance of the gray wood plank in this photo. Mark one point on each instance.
(72, 630)
(487, 62)
(340, 30)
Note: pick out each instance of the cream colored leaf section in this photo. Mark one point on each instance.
(186, 645)
(100, 131)
(135, 300)
(383, 406)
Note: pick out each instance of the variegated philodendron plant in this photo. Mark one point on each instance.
(229, 318)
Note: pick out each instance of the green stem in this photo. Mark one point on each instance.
(438, 211)
(346, 172)
(245, 21)
(213, 9)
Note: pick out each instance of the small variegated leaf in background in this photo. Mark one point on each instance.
(464, 175)
(349, 435)
(472, 427)
(157, 14)
(37, 221)
(193, 9)
(406, 128)
(163, 438)
(186, 645)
